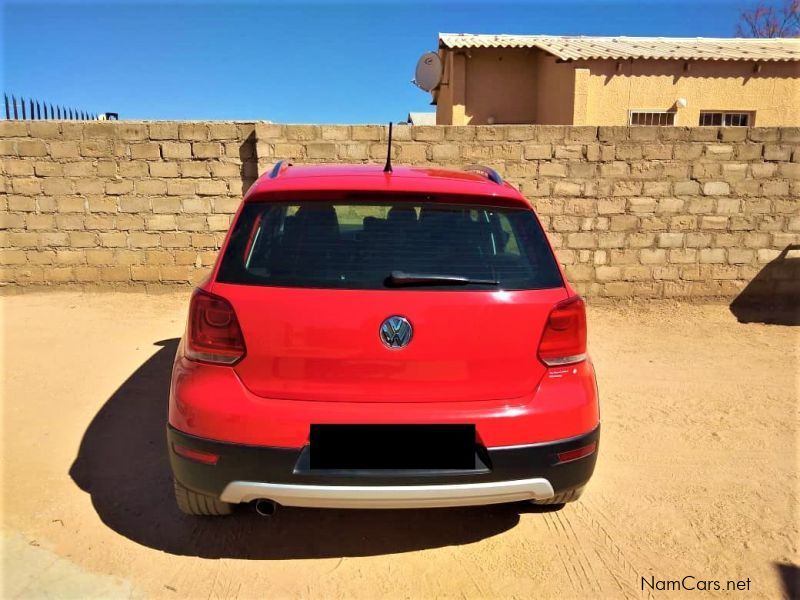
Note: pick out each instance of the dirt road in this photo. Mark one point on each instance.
(697, 476)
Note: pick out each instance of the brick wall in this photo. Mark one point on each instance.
(648, 212)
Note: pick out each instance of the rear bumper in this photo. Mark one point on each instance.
(211, 402)
(508, 474)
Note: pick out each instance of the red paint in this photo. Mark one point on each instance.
(370, 178)
(314, 355)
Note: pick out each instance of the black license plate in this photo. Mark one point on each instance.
(392, 447)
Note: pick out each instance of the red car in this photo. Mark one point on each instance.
(373, 339)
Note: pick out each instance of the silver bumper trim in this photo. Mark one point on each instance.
(393, 496)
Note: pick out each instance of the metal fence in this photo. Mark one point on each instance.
(30, 109)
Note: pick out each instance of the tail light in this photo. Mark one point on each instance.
(213, 334)
(564, 338)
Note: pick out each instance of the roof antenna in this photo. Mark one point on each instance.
(388, 167)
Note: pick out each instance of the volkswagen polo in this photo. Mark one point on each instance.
(377, 338)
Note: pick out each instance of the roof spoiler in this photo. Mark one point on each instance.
(490, 173)
(279, 168)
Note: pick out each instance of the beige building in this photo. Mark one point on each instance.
(582, 80)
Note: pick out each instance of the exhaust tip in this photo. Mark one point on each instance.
(266, 508)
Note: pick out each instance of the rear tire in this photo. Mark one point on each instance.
(562, 498)
(192, 503)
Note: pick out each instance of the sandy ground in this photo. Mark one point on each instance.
(698, 474)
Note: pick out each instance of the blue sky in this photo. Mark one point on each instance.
(322, 62)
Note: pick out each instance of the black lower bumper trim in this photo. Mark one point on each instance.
(291, 466)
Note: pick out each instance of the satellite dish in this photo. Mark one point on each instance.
(428, 75)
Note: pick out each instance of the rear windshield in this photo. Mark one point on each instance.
(359, 245)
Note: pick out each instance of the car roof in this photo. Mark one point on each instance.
(372, 178)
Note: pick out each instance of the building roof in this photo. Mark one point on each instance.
(421, 118)
(622, 47)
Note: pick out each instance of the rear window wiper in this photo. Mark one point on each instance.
(401, 278)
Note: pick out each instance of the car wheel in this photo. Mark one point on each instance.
(192, 503)
(561, 498)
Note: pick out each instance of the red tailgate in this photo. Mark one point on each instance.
(323, 344)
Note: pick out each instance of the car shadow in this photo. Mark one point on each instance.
(790, 578)
(773, 296)
(122, 463)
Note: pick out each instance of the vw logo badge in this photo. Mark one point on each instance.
(396, 332)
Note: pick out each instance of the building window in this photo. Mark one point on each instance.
(725, 119)
(652, 117)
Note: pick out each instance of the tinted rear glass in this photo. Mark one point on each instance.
(358, 245)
